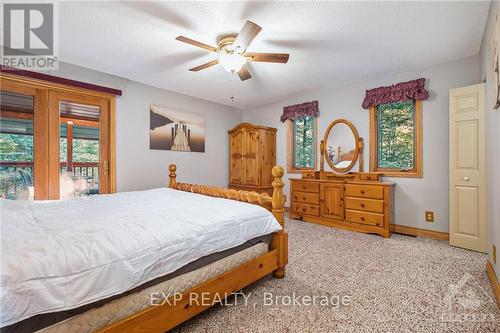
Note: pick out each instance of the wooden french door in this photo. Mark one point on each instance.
(51, 134)
(23, 130)
(72, 111)
(468, 225)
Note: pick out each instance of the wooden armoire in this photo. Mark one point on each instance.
(252, 155)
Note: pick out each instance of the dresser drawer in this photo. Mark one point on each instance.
(306, 197)
(369, 205)
(302, 208)
(305, 186)
(364, 217)
(364, 191)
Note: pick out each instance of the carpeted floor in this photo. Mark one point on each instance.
(401, 284)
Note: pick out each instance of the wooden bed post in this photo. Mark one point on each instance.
(172, 168)
(280, 238)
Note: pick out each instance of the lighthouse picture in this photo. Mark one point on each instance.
(176, 130)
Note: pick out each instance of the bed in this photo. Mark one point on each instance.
(94, 264)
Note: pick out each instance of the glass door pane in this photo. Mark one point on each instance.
(16, 146)
(79, 149)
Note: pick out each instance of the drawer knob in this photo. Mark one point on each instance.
(362, 191)
(362, 218)
(304, 210)
(363, 205)
(304, 198)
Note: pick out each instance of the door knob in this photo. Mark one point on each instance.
(466, 179)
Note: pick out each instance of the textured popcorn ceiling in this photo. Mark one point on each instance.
(330, 43)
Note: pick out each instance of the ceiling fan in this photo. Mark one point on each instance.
(232, 51)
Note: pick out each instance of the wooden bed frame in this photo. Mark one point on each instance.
(165, 317)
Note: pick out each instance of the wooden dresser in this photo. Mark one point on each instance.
(252, 157)
(351, 202)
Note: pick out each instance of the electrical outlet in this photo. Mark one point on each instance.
(494, 254)
(429, 216)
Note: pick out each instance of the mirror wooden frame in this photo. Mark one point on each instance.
(356, 142)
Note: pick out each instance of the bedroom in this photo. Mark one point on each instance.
(321, 171)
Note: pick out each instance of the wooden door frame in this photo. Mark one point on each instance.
(40, 132)
(43, 120)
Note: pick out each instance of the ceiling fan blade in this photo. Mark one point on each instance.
(196, 43)
(245, 37)
(208, 64)
(243, 73)
(267, 57)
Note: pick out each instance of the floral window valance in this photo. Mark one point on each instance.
(293, 112)
(399, 92)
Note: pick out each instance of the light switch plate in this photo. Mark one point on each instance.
(429, 216)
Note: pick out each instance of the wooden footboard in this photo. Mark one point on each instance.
(167, 316)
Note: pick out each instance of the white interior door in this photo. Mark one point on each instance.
(468, 225)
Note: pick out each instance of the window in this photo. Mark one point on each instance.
(396, 139)
(301, 147)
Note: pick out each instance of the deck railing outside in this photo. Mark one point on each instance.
(16, 178)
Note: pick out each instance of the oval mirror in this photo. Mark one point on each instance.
(341, 145)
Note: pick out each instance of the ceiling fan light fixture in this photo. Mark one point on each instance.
(232, 62)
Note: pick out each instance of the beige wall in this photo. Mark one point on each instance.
(140, 168)
(492, 134)
(412, 196)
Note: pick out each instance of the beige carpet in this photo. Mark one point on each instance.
(401, 284)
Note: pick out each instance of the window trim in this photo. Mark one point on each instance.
(417, 171)
(290, 144)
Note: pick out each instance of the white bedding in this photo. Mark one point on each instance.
(58, 255)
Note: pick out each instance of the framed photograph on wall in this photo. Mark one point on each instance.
(176, 130)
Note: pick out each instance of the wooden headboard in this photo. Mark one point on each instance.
(347, 156)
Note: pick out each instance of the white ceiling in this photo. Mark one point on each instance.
(330, 43)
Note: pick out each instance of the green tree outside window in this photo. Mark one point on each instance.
(303, 142)
(396, 135)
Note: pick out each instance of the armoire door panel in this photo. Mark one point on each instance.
(250, 157)
(236, 158)
(267, 141)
